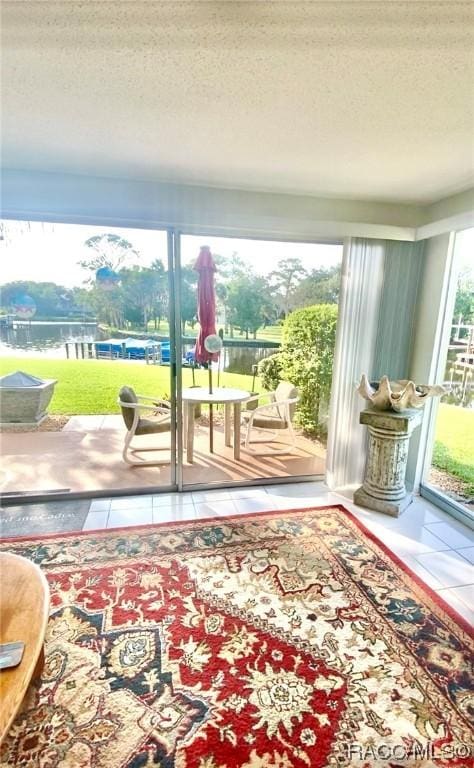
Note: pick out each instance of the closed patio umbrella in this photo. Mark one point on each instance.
(206, 304)
(206, 314)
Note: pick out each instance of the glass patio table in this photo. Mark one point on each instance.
(228, 397)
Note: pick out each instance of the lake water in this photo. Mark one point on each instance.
(42, 339)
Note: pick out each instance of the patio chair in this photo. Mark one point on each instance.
(269, 419)
(143, 416)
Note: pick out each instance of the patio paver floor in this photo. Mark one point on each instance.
(87, 456)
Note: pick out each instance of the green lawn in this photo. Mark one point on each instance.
(92, 386)
(454, 443)
(271, 333)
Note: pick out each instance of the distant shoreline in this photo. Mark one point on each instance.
(54, 322)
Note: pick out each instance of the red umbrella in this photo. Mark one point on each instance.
(206, 304)
(206, 313)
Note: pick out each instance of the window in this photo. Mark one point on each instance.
(449, 468)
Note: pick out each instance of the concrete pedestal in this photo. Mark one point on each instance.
(384, 488)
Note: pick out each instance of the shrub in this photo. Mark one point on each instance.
(270, 371)
(309, 337)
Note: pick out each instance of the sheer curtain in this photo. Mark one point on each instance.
(379, 289)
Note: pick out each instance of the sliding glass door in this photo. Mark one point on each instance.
(151, 374)
(449, 467)
(274, 315)
(87, 318)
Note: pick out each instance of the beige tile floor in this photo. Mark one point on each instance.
(87, 456)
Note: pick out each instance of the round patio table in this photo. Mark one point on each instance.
(229, 397)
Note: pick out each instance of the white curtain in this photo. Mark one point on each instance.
(361, 287)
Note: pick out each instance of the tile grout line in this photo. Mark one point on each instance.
(441, 552)
(436, 536)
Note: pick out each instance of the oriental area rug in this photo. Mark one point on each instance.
(287, 639)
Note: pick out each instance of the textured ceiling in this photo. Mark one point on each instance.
(370, 100)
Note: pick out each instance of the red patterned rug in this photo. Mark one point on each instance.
(289, 639)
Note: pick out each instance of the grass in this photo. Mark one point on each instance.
(454, 444)
(92, 386)
(271, 333)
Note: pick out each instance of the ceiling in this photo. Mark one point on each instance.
(368, 100)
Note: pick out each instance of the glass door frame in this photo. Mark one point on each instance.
(25, 497)
(175, 363)
(446, 311)
(174, 235)
(176, 354)
(231, 234)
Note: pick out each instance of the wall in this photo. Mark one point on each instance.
(63, 197)
(447, 215)
(58, 197)
(451, 206)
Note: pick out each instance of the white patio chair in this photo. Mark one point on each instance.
(266, 421)
(156, 421)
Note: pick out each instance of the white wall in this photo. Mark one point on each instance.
(60, 197)
(451, 206)
(66, 197)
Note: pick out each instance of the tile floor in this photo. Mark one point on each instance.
(437, 548)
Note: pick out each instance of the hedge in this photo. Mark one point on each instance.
(306, 359)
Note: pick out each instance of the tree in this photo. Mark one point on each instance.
(82, 302)
(109, 250)
(144, 292)
(284, 279)
(51, 299)
(109, 305)
(247, 299)
(160, 283)
(188, 296)
(321, 286)
(464, 305)
(138, 294)
(227, 269)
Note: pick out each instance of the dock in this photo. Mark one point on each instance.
(462, 368)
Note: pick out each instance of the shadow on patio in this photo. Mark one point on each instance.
(87, 456)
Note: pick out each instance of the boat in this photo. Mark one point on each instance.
(128, 349)
(140, 349)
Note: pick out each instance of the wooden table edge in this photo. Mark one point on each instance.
(44, 623)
